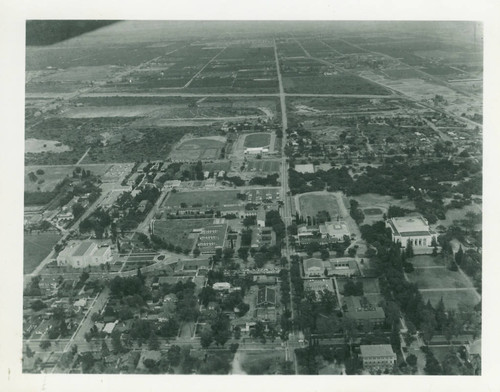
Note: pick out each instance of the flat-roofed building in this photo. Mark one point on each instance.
(377, 356)
(362, 311)
(344, 266)
(313, 268)
(212, 238)
(318, 285)
(411, 229)
(80, 254)
(221, 286)
(334, 230)
(305, 168)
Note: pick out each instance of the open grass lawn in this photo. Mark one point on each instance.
(178, 231)
(261, 362)
(206, 198)
(36, 248)
(451, 299)
(310, 205)
(426, 261)
(257, 140)
(436, 278)
(370, 286)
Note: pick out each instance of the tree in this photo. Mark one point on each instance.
(237, 332)
(234, 347)
(29, 352)
(174, 355)
(432, 365)
(411, 360)
(409, 249)
(87, 361)
(325, 255)
(221, 329)
(459, 256)
(104, 349)
(196, 252)
(45, 344)
(153, 343)
(116, 342)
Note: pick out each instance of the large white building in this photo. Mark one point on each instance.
(377, 356)
(81, 254)
(413, 229)
(256, 150)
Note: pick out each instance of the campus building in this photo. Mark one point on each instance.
(256, 150)
(334, 230)
(412, 229)
(360, 310)
(377, 356)
(81, 254)
(211, 238)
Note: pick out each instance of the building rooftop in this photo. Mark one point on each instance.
(360, 308)
(266, 294)
(318, 285)
(376, 350)
(306, 168)
(334, 229)
(83, 248)
(101, 250)
(409, 224)
(313, 262)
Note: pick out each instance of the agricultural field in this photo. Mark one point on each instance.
(311, 204)
(36, 248)
(179, 231)
(334, 84)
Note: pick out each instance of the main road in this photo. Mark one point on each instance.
(286, 215)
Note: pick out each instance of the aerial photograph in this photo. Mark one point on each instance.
(253, 197)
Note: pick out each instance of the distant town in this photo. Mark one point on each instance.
(301, 198)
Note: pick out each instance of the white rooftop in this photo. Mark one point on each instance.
(410, 224)
(376, 350)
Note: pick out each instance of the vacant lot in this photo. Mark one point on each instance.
(205, 198)
(311, 204)
(179, 231)
(36, 248)
(257, 140)
(437, 278)
(39, 146)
